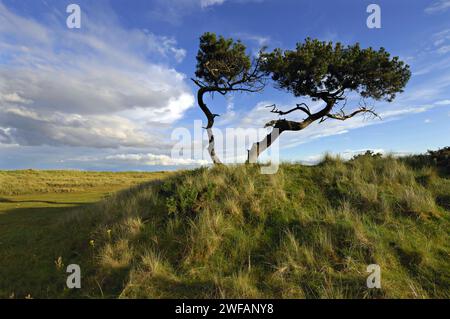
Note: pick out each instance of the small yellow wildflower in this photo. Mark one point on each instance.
(92, 242)
(59, 263)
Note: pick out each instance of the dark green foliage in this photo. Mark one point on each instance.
(367, 154)
(316, 68)
(221, 61)
(439, 158)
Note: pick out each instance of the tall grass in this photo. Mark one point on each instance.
(305, 232)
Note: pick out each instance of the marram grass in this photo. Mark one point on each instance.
(231, 232)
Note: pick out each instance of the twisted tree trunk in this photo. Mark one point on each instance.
(279, 126)
(210, 117)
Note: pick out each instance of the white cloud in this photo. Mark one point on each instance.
(442, 102)
(173, 11)
(260, 40)
(22, 28)
(13, 98)
(444, 49)
(28, 127)
(147, 159)
(438, 6)
(441, 41)
(260, 115)
(256, 42)
(99, 87)
(208, 3)
(152, 159)
(441, 37)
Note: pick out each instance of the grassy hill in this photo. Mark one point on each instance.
(231, 232)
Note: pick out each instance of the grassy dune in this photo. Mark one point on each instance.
(230, 232)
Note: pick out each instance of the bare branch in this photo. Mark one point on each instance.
(198, 83)
(253, 79)
(341, 116)
(296, 126)
(300, 107)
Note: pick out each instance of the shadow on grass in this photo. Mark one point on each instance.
(30, 244)
(162, 287)
(12, 201)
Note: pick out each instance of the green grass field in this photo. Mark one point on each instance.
(32, 206)
(230, 232)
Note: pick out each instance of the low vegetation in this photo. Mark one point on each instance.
(231, 232)
(26, 182)
(32, 205)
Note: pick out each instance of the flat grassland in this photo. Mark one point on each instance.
(32, 204)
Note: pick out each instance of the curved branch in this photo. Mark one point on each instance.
(342, 116)
(279, 126)
(203, 89)
(302, 107)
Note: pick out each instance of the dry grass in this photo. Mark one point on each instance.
(305, 232)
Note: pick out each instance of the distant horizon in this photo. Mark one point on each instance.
(161, 169)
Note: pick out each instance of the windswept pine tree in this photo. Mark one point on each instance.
(223, 67)
(327, 72)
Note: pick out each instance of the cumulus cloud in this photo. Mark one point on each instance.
(95, 87)
(27, 127)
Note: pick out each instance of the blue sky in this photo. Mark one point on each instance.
(108, 96)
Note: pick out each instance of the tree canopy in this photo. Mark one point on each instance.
(315, 69)
(327, 72)
(322, 70)
(223, 64)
